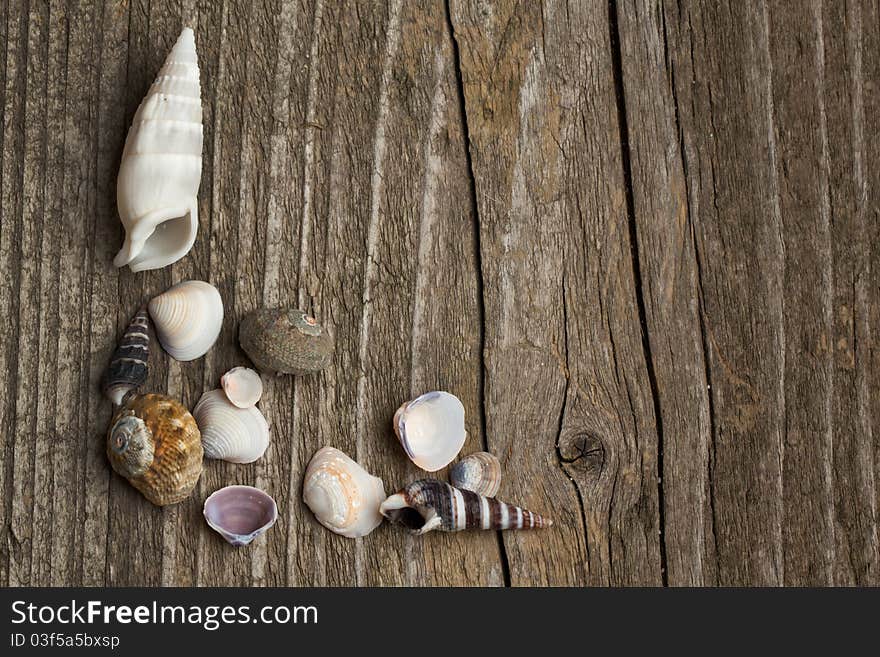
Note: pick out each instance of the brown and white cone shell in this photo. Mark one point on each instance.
(230, 433)
(428, 504)
(128, 365)
(161, 168)
(188, 318)
(479, 472)
(344, 497)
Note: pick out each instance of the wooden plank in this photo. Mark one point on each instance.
(568, 402)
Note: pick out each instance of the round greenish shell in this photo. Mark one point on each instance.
(285, 341)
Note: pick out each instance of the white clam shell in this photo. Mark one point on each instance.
(243, 386)
(188, 318)
(431, 429)
(161, 168)
(230, 433)
(344, 497)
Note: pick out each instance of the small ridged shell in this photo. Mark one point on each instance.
(154, 442)
(242, 386)
(428, 504)
(240, 513)
(344, 497)
(431, 429)
(285, 341)
(161, 167)
(479, 472)
(230, 433)
(188, 318)
(128, 365)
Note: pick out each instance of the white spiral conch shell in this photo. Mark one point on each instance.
(230, 433)
(188, 318)
(161, 168)
(431, 429)
(243, 386)
(344, 497)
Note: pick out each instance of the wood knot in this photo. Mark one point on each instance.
(583, 450)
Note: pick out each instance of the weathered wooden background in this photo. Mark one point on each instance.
(639, 239)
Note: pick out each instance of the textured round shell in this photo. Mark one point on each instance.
(479, 472)
(230, 433)
(285, 341)
(431, 429)
(344, 497)
(243, 386)
(240, 513)
(188, 318)
(155, 443)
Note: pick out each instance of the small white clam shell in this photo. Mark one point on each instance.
(344, 497)
(242, 386)
(431, 429)
(240, 513)
(230, 433)
(479, 472)
(188, 318)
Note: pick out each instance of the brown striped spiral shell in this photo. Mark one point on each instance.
(128, 365)
(429, 504)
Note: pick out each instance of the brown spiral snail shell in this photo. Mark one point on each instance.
(156, 445)
(285, 341)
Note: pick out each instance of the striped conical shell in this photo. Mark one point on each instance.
(128, 365)
(161, 168)
(429, 504)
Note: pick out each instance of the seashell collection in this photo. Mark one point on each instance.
(157, 445)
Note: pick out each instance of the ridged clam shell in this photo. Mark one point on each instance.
(285, 341)
(431, 429)
(243, 386)
(344, 497)
(154, 442)
(188, 318)
(161, 168)
(479, 472)
(128, 365)
(429, 504)
(230, 433)
(240, 513)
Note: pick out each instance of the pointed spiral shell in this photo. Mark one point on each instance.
(161, 168)
(429, 504)
(188, 318)
(230, 433)
(344, 497)
(128, 365)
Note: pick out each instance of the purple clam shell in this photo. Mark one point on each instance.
(240, 513)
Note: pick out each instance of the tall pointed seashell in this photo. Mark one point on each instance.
(431, 429)
(429, 504)
(188, 318)
(230, 433)
(154, 442)
(479, 472)
(240, 513)
(344, 497)
(158, 185)
(128, 365)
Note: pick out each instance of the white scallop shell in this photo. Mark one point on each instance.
(161, 168)
(431, 429)
(230, 433)
(243, 386)
(188, 318)
(344, 497)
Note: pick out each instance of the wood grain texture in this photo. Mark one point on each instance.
(638, 239)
